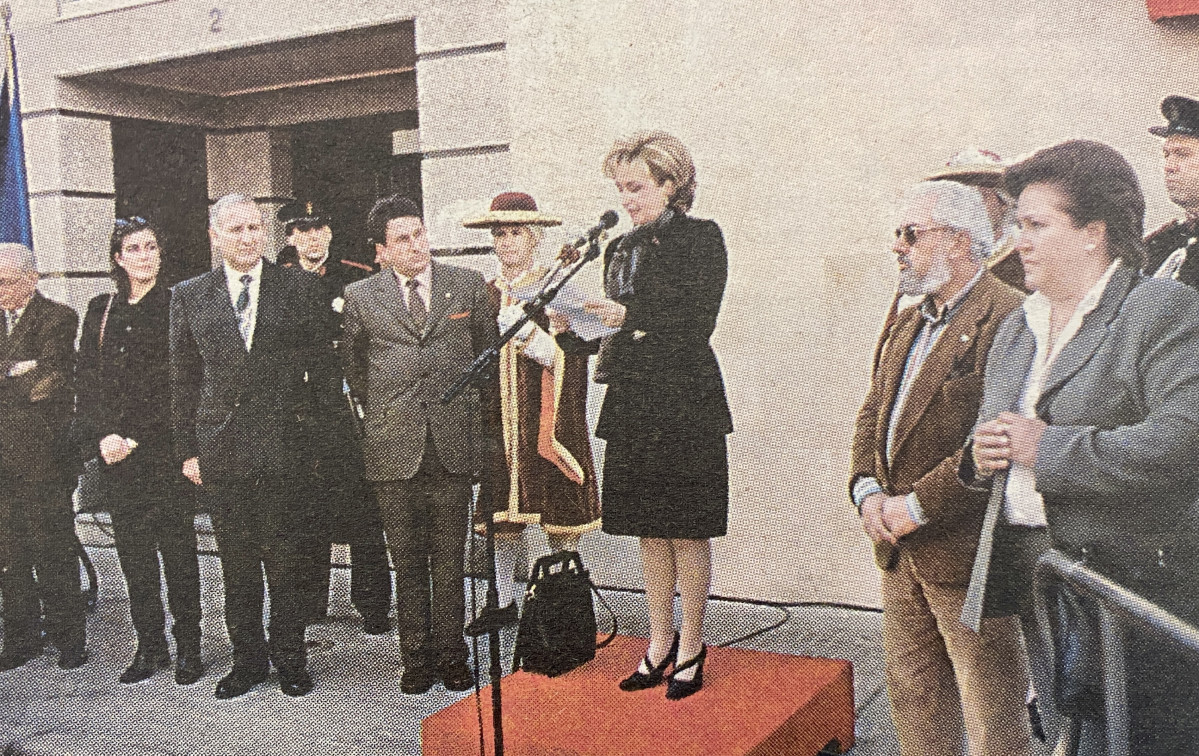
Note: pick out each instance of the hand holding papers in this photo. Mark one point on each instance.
(570, 302)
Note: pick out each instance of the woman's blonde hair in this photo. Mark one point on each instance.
(664, 155)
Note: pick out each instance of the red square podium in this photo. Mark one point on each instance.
(753, 703)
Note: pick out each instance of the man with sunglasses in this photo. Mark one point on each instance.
(946, 683)
(345, 509)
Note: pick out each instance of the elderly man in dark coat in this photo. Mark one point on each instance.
(37, 354)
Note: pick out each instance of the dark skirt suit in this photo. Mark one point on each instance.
(665, 415)
(123, 388)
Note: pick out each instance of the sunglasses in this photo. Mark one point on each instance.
(123, 224)
(910, 233)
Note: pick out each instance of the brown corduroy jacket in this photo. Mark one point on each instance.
(939, 413)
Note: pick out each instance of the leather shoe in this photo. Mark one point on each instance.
(643, 680)
(189, 667)
(457, 676)
(72, 657)
(16, 658)
(239, 681)
(417, 680)
(150, 658)
(295, 682)
(376, 625)
(676, 688)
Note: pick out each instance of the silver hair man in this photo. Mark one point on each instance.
(961, 207)
(229, 200)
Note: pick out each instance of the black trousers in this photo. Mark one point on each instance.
(37, 533)
(346, 511)
(152, 516)
(255, 523)
(426, 521)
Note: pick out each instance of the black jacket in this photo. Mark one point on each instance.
(250, 413)
(663, 375)
(123, 385)
(36, 406)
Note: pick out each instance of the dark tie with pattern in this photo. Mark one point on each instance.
(416, 305)
(243, 309)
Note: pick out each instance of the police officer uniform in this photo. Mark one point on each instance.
(1172, 251)
(347, 511)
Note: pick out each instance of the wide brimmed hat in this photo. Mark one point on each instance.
(513, 208)
(973, 166)
(1182, 117)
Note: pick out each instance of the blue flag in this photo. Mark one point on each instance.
(14, 186)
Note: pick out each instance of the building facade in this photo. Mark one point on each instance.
(807, 120)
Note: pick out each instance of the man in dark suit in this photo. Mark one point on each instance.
(345, 510)
(251, 363)
(37, 524)
(1172, 251)
(944, 680)
(410, 331)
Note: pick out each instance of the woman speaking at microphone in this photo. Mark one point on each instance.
(665, 415)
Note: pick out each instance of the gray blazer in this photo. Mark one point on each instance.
(1117, 464)
(401, 372)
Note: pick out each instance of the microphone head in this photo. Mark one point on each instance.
(609, 219)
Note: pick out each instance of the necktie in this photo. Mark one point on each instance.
(416, 305)
(243, 308)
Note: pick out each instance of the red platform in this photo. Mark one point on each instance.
(752, 704)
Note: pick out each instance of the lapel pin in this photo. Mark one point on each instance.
(448, 295)
(964, 338)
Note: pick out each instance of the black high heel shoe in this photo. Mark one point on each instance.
(640, 681)
(676, 688)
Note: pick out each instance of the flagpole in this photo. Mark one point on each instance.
(6, 12)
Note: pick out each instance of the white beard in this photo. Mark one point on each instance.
(912, 284)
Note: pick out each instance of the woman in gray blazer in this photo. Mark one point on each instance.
(1091, 402)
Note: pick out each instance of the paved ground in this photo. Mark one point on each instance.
(356, 708)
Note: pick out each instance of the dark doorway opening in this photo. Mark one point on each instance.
(343, 166)
(160, 172)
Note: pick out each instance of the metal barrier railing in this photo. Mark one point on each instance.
(1119, 610)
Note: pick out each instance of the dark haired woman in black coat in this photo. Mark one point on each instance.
(123, 418)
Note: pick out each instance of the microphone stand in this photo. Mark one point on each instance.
(491, 354)
(488, 622)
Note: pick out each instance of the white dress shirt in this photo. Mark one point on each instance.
(1023, 503)
(12, 317)
(233, 278)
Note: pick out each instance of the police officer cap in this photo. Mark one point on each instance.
(301, 215)
(1182, 117)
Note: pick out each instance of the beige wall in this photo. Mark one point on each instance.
(807, 120)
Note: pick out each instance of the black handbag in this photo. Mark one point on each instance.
(557, 626)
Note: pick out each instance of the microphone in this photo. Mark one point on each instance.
(569, 251)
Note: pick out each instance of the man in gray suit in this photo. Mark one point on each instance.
(410, 331)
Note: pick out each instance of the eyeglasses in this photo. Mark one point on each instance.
(910, 233)
(122, 224)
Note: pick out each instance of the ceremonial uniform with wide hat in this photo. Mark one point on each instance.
(541, 471)
(1171, 251)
